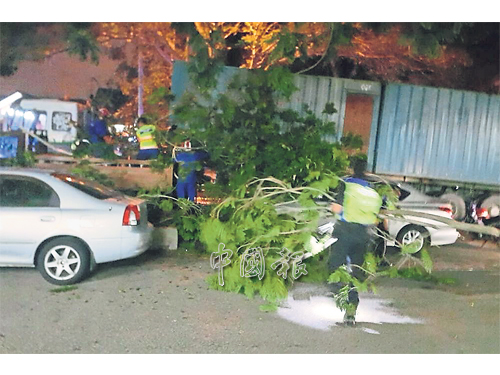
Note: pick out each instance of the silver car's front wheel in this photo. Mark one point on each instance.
(63, 261)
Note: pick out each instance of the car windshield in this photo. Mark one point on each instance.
(91, 188)
(411, 195)
(402, 193)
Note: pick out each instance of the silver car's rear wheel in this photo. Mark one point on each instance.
(63, 261)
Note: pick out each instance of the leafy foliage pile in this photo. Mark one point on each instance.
(271, 215)
(101, 150)
(272, 162)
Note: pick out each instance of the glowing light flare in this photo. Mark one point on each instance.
(29, 116)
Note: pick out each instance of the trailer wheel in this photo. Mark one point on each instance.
(457, 205)
(492, 204)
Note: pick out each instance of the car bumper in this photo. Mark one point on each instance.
(132, 241)
(444, 236)
(441, 236)
(136, 241)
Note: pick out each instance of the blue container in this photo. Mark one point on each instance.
(8, 147)
(438, 133)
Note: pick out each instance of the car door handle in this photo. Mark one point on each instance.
(47, 218)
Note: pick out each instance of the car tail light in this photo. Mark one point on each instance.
(447, 209)
(132, 215)
(482, 213)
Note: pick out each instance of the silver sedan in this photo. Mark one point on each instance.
(64, 225)
(427, 231)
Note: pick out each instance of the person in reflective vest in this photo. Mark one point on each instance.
(357, 207)
(147, 142)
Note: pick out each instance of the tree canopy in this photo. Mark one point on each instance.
(454, 54)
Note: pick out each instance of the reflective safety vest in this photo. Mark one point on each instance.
(361, 204)
(145, 135)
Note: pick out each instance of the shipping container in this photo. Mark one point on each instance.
(437, 133)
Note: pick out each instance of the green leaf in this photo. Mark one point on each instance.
(370, 263)
(410, 248)
(426, 260)
(269, 307)
(189, 224)
(329, 109)
(167, 205)
(312, 175)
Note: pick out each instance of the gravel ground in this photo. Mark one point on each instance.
(159, 303)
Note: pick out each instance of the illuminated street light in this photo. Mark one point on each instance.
(5, 103)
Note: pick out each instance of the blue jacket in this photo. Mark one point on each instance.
(187, 161)
(97, 130)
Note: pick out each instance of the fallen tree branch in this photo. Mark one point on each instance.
(44, 142)
(408, 220)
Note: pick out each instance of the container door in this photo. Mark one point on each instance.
(358, 117)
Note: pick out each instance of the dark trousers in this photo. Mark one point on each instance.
(353, 243)
(151, 153)
(186, 188)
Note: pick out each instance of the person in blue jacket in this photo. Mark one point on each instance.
(188, 161)
(97, 129)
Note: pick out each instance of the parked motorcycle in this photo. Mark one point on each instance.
(482, 216)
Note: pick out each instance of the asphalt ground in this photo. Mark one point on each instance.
(160, 303)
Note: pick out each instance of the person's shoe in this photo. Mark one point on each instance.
(350, 315)
(349, 320)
